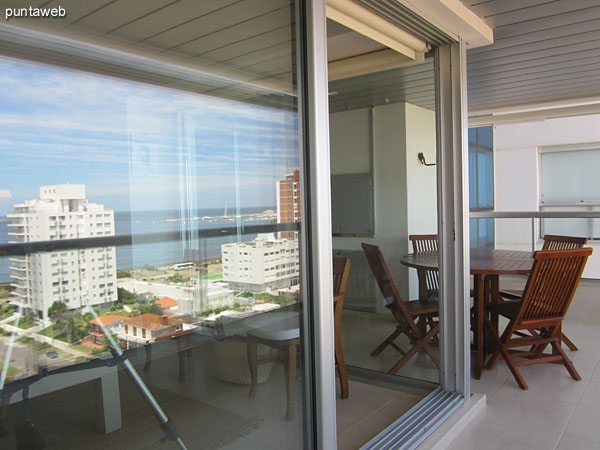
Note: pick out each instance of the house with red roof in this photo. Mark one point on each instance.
(100, 323)
(167, 304)
(149, 328)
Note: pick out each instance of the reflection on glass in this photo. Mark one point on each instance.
(170, 229)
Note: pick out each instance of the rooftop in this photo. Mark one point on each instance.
(153, 321)
(166, 302)
(107, 319)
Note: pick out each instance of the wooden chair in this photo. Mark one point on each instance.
(407, 314)
(287, 341)
(426, 243)
(548, 293)
(552, 242)
(341, 271)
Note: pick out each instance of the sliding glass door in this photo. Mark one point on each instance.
(151, 204)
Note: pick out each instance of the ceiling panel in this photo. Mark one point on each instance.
(414, 84)
(544, 51)
(119, 13)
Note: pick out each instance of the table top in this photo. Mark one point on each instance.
(483, 261)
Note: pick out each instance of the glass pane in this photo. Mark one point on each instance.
(473, 200)
(570, 176)
(375, 141)
(166, 302)
(473, 135)
(485, 179)
(474, 232)
(485, 136)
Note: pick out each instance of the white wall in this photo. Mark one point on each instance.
(405, 190)
(421, 180)
(516, 173)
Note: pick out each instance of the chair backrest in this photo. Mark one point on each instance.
(424, 243)
(341, 272)
(427, 243)
(551, 285)
(555, 242)
(386, 284)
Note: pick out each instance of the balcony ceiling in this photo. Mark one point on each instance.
(413, 84)
(543, 51)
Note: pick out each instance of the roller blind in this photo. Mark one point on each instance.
(570, 176)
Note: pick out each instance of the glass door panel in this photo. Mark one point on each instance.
(383, 132)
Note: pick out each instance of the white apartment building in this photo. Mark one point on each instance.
(261, 265)
(74, 277)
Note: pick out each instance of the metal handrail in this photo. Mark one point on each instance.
(27, 248)
(533, 215)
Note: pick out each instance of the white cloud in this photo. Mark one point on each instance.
(5, 193)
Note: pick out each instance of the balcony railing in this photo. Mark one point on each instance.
(539, 227)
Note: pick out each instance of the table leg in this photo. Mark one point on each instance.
(148, 363)
(108, 402)
(290, 379)
(252, 355)
(487, 338)
(494, 299)
(181, 356)
(422, 277)
(480, 292)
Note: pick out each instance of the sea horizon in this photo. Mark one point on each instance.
(156, 221)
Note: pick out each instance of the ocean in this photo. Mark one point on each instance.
(143, 222)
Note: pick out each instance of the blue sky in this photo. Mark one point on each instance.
(135, 146)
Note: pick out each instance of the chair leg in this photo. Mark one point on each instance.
(390, 339)
(341, 366)
(290, 379)
(404, 359)
(252, 365)
(427, 347)
(568, 343)
(566, 361)
(514, 369)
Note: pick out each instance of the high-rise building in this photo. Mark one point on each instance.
(264, 264)
(288, 202)
(74, 277)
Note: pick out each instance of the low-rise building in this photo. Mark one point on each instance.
(191, 298)
(167, 304)
(149, 328)
(99, 324)
(261, 265)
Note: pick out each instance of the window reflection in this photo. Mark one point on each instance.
(163, 230)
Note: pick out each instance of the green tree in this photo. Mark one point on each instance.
(153, 308)
(56, 308)
(4, 291)
(123, 274)
(125, 297)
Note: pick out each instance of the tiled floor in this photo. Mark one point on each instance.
(362, 332)
(367, 411)
(556, 412)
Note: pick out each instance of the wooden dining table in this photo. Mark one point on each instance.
(486, 266)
